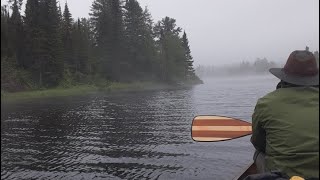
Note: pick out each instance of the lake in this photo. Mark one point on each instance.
(137, 135)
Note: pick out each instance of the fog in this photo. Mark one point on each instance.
(230, 31)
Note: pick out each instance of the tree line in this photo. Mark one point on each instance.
(259, 66)
(119, 42)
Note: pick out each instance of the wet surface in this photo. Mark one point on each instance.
(141, 135)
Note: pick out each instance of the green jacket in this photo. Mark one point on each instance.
(285, 126)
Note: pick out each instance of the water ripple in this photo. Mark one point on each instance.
(127, 135)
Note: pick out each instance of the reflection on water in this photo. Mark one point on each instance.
(142, 135)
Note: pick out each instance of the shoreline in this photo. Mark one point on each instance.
(12, 97)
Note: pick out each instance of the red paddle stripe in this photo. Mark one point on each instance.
(220, 134)
(220, 123)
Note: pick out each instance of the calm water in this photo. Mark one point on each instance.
(144, 135)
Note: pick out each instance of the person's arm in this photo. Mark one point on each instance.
(258, 138)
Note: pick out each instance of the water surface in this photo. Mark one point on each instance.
(141, 135)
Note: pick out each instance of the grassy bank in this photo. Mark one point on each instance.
(83, 90)
(26, 95)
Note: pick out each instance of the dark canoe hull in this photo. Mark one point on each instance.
(251, 169)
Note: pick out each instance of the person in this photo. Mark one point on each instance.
(285, 122)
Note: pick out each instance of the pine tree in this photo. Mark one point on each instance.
(4, 32)
(139, 40)
(100, 19)
(84, 46)
(189, 71)
(76, 41)
(81, 44)
(67, 39)
(31, 24)
(60, 13)
(52, 59)
(117, 39)
(92, 64)
(167, 26)
(150, 50)
(172, 58)
(106, 17)
(35, 41)
(16, 34)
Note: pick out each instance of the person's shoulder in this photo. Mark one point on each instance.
(273, 96)
(294, 91)
(284, 93)
(269, 96)
(264, 103)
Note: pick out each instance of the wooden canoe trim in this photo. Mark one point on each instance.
(249, 170)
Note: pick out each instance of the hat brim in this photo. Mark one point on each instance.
(297, 80)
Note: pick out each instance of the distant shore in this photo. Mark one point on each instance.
(9, 97)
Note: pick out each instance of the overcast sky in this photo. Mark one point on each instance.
(228, 31)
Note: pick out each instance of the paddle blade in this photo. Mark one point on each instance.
(218, 128)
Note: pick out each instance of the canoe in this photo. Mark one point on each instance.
(251, 169)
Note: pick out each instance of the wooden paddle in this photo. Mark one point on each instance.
(218, 128)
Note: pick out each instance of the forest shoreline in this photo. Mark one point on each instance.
(77, 90)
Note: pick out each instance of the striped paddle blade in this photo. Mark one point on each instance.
(218, 128)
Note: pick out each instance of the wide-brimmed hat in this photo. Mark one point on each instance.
(300, 69)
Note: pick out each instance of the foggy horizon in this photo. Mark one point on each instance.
(227, 32)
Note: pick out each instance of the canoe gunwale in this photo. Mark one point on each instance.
(250, 169)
